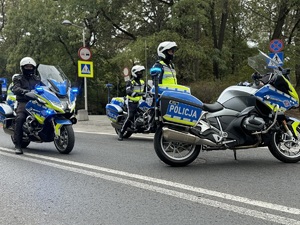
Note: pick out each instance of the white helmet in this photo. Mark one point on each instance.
(26, 61)
(162, 47)
(137, 71)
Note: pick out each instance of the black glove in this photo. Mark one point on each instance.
(24, 91)
(256, 76)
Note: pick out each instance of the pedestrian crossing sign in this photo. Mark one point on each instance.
(277, 59)
(85, 69)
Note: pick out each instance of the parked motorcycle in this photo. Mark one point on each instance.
(243, 117)
(143, 121)
(50, 109)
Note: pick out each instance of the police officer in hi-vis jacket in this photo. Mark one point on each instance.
(165, 52)
(135, 89)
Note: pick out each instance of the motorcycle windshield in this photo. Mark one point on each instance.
(263, 64)
(54, 77)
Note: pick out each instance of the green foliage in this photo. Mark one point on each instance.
(121, 33)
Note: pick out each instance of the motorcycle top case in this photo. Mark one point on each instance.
(171, 87)
(117, 101)
(180, 108)
(114, 108)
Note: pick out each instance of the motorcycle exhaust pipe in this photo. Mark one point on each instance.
(176, 136)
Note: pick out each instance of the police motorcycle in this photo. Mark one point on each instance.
(116, 111)
(243, 117)
(50, 109)
(144, 122)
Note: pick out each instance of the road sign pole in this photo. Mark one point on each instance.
(85, 80)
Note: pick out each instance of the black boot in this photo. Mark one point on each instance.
(120, 138)
(18, 150)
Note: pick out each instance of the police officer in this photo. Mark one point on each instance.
(165, 52)
(135, 88)
(23, 83)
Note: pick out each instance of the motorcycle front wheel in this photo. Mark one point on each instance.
(65, 142)
(284, 149)
(174, 153)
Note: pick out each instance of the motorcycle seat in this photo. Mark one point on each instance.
(214, 107)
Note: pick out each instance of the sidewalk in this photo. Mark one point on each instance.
(96, 123)
(101, 124)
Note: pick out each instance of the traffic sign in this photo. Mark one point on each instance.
(277, 58)
(276, 45)
(84, 53)
(85, 69)
(125, 72)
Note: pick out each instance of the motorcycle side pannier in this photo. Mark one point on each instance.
(180, 108)
(5, 111)
(114, 108)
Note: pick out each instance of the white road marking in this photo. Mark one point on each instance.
(194, 198)
(146, 136)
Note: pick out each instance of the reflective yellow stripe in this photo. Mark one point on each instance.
(168, 118)
(40, 119)
(57, 129)
(175, 87)
(272, 106)
(134, 99)
(294, 126)
(292, 90)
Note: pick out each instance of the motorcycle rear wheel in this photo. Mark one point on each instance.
(65, 142)
(174, 153)
(286, 152)
(24, 144)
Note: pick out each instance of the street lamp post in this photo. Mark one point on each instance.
(69, 23)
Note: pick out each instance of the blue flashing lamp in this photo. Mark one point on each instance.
(74, 90)
(39, 89)
(154, 71)
(50, 112)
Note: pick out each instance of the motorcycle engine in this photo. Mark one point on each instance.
(253, 123)
(30, 124)
(139, 122)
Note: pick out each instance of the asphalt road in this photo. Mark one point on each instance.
(104, 181)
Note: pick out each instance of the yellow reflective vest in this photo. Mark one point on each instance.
(138, 88)
(169, 75)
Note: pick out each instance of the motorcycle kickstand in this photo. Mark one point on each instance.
(234, 154)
